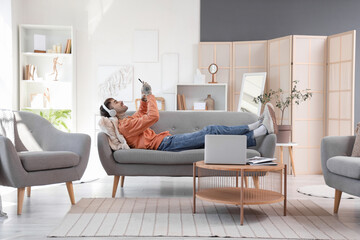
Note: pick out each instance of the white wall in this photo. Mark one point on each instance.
(6, 78)
(104, 36)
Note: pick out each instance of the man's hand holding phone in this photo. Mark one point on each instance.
(144, 98)
(146, 88)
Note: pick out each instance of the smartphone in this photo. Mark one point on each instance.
(141, 81)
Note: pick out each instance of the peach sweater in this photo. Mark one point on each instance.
(136, 128)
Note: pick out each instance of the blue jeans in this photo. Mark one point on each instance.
(196, 140)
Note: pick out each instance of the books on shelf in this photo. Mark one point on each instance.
(261, 161)
(181, 103)
(30, 72)
(68, 46)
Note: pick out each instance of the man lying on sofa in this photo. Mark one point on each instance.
(137, 132)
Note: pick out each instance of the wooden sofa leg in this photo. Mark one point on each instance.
(122, 181)
(115, 185)
(28, 191)
(20, 199)
(337, 200)
(70, 189)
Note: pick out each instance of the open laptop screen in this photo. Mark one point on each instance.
(225, 149)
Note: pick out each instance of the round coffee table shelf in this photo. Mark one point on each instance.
(252, 196)
(239, 184)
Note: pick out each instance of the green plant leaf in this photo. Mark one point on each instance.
(284, 100)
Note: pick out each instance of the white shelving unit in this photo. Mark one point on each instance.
(199, 92)
(61, 92)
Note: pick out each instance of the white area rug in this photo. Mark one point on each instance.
(323, 191)
(104, 217)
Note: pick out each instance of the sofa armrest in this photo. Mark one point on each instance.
(12, 172)
(267, 146)
(106, 154)
(332, 146)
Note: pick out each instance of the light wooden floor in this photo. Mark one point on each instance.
(44, 210)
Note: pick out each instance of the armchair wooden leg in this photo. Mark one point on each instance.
(256, 181)
(122, 181)
(115, 185)
(337, 200)
(70, 189)
(28, 191)
(246, 181)
(20, 200)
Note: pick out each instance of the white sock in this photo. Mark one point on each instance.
(260, 131)
(254, 125)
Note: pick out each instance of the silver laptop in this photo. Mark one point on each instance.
(225, 149)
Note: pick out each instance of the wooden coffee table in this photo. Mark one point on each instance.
(258, 184)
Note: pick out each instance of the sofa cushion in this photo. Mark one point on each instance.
(142, 156)
(344, 166)
(45, 160)
(110, 127)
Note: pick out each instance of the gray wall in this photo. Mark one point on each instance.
(239, 20)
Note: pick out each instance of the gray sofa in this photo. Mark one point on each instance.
(41, 155)
(341, 171)
(141, 162)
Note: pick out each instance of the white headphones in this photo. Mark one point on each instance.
(111, 112)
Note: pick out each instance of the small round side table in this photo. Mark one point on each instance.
(290, 147)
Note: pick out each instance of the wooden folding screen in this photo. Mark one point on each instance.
(279, 71)
(279, 76)
(308, 118)
(326, 65)
(249, 56)
(341, 74)
(221, 54)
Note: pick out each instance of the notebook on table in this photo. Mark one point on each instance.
(225, 149)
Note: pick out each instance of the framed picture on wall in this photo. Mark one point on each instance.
(146, 46)
(116, 82)
(169, 72)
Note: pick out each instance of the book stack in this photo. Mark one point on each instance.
(29, 72)
(181, 104)
(68, 46)
(261, 161)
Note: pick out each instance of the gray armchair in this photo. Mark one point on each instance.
(341, 171)
(41, 155)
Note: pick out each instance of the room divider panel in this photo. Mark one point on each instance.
(308, 118)
(279, 75)
(249, 56)
(324, 64)
(341, 75)
(221, 54)
(279, 71)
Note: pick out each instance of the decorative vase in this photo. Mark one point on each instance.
(284, 133)
(210, 103)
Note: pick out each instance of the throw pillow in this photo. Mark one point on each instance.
(109, 127)
(356, 148)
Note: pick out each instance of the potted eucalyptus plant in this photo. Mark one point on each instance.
(282, 101)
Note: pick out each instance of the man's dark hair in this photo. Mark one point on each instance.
(103, 112)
